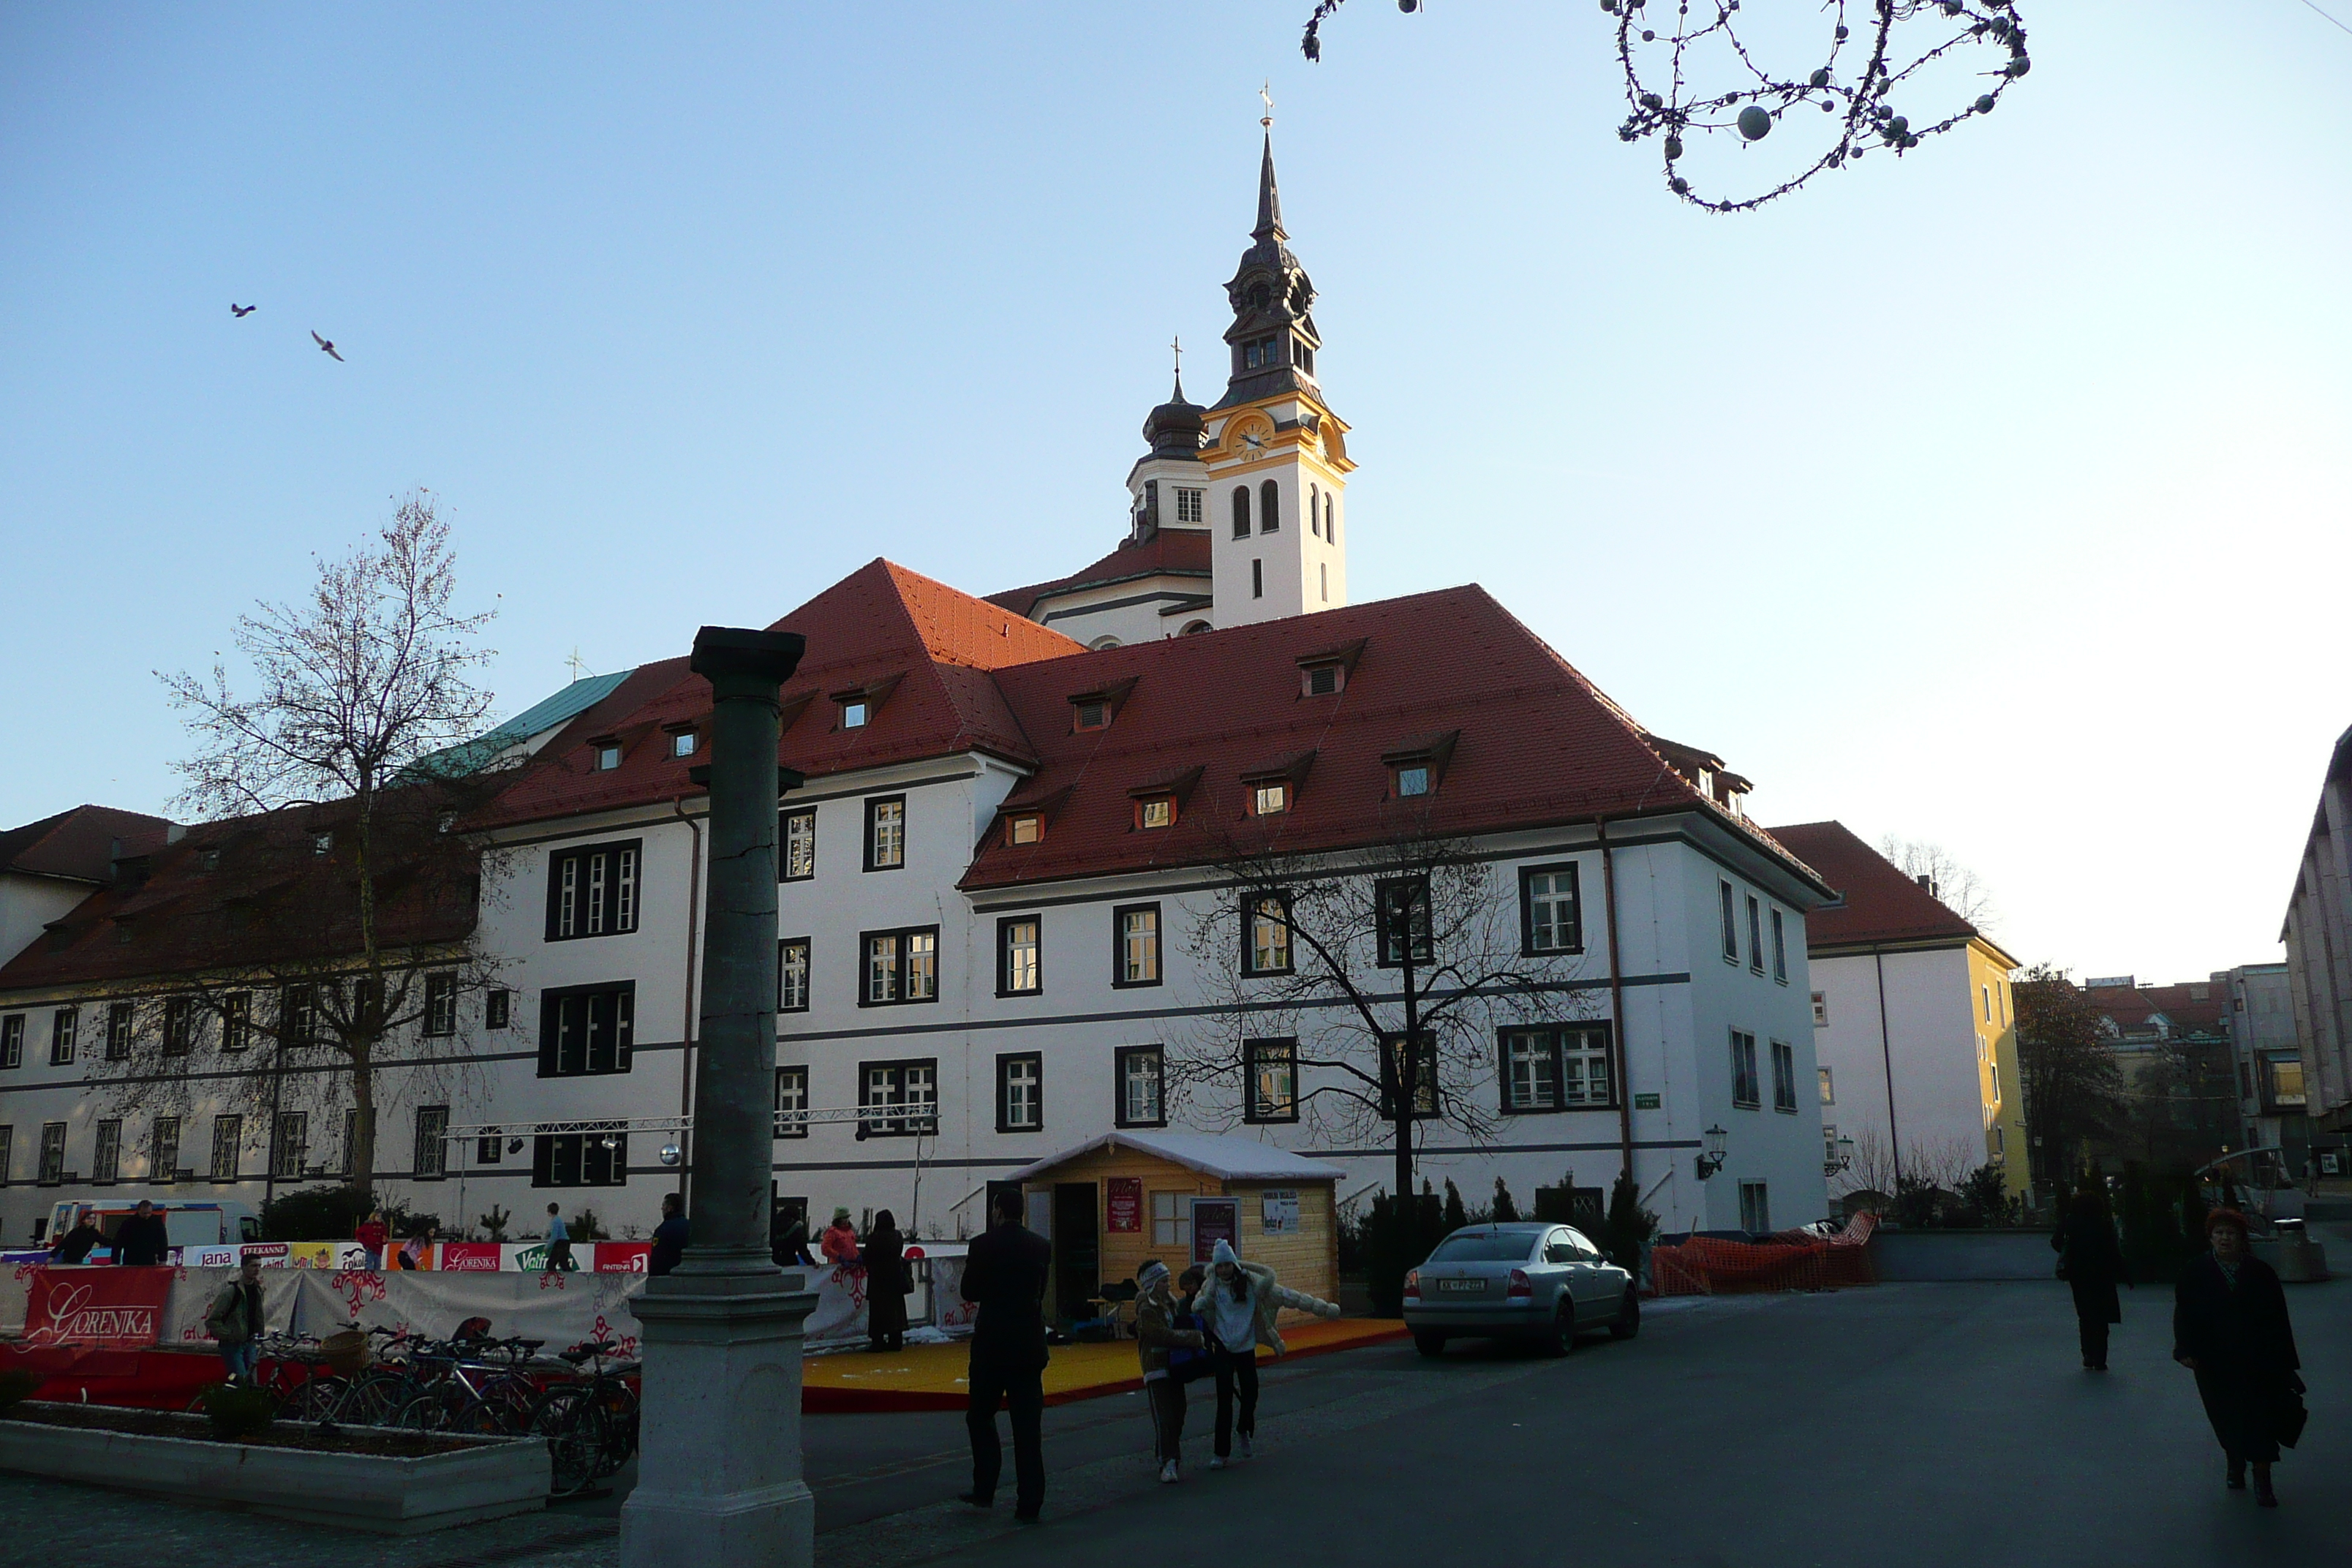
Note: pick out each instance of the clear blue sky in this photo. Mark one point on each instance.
(1999, 498)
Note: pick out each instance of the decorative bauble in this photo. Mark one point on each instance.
(1984, 103)
(1755, 123)
(1821, 78)
(1673, 148)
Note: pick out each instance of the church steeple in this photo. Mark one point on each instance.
(1273, 337)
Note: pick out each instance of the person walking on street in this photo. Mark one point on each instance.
(559, 1243)
(1156, 1335)
(839, 1243)
(670, 1237)
(75, 1245)
(1238, 1304)
(372, 1233)
(887, 1284)
(1005, 1278)
(234, 1319)
(2090, 1260)
(2230, 1327)
(140, 1240)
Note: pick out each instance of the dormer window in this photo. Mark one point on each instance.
(1323, 679)
(684, 743)
(1024, 827)
(322, 844)
(607, 753)
(1325, 673)
(1418, 767)
(208, 859)
(855, 713)
(1269, 798)
(1410, 779)
(1095, 710)
(1094, 715)
(1155, 811)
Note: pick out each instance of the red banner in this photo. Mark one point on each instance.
(1123, 1204)
(116, 1308)
(622, 1257)
(470, 1257)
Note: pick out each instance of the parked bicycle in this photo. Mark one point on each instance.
(474, 1387)
(590, 1423)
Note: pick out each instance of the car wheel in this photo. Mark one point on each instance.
(1629, 1316)
(1561, 1336)
(1429, 1345)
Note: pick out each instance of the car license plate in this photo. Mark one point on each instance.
(1461, 1286)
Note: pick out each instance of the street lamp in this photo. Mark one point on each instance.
(1712, 1161)
(1841, 1159)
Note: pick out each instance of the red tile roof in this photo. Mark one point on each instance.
(1537, 744)
(1171, 552)
(1882, 905)
(79, 843)
(2131, 1006)
(931, 645)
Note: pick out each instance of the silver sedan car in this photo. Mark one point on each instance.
(1534, 1281)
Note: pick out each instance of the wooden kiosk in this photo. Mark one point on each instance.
(1116, 1200)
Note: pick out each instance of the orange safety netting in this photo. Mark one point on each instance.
(1790, 1260)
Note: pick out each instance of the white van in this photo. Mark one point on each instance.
(187, 1222)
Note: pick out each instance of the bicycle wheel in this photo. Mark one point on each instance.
(508, 1403)
(619, 1425)
(374, 1397)
(573, 1424)
(428, 1412)
(316, 1400)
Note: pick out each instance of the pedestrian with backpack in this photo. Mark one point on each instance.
(233, 1320)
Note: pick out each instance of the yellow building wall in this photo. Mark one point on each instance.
(1999, 1085)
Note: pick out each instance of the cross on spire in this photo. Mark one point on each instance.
(1265, 94)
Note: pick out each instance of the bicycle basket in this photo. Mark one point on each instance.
(346, 1352)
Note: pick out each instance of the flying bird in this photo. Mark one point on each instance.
(324, 346)
(241, 311)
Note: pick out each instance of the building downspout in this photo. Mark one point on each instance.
(1886, 1055)
(1617, 1005)
(686, 1009)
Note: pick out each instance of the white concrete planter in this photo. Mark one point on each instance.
(488, 1478)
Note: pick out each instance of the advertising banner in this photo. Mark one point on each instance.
(1214, 1220)
(210, 1257)
(1278, 1210)
(1123, 1204)
(410, 1256)
(114, 1309)
(471, 1257)
(622, 1257)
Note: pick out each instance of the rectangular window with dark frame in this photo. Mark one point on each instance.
(498, 1008)
(236, 1021)
(51, 1171)
(163, 1150)
(228, 1148)
(490, 1147)
(1273, 1067)
(1755, 935)
(796, 846)
(592, 890)
(586, 1030)
(1020, 1092)
(12, 1040)
(441, 1002)
(1730, 923)
(898, 1099)
(432, 1151)
(886, 833)
(106, 1150)
(792, 974)
(598, 1158)
(1551, 918)
(1142, 1079)
(898, 967)
(1020, 955)
(8, 1148)
(179, 1024)
(1779, 949)
(1135, 953)
(1747, 1090)
(298, 1016)
(64, 1024)
(1265, 933)
(290, 1145)
(1784, 1078)
(1558, 1066)
(792, 1102)
(121, 1018)
(1402, 910)
(1423, 1068)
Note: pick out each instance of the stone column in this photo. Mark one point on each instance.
(719, 1469)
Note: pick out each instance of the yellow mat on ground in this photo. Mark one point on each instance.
(932, 1377)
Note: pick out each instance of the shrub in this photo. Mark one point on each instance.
(333, 1214)
(1628, 1227)
(1396, 1236)
(586, 1226)
(237, 1411)
(493, 1223)
(16, 1386)
(1505, 1211)
(1456, 1216)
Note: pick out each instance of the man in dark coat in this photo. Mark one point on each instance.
(2230, 1327)
(2092, 1261)
(1005, 1277)
(140, 1240)
(669, 1238)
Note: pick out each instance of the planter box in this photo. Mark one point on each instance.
(488, 1477)
(1924, 1255)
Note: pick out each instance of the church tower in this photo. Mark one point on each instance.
(1276, 457)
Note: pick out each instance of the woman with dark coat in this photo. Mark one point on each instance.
(884, 1258)
(2230, 1327)
(2092, 1261)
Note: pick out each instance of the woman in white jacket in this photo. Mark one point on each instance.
(1237, 1305)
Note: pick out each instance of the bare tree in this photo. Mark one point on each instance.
(1322, 966)
(1958, 888)
(1871, 1176)
(338, 928)
(2074, 1087)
